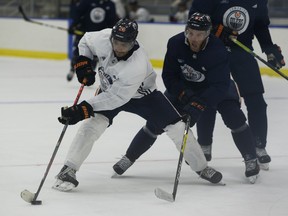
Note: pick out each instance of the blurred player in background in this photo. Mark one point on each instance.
(86, 16)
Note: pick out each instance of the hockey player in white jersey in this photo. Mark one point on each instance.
(127, 83)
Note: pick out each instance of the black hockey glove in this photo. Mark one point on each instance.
(274, 56)
(84, 71)
(71, 29)
(194, 109)
(76, 113)
(225, 33)
(185, 96)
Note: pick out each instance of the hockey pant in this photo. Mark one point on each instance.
(193, 153)
(89, 131)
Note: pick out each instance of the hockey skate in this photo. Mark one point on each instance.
(66, 179)
(210, 175)
(122, 165)
(263, 158)
(207, 151)
(252, 170)
(70, 75)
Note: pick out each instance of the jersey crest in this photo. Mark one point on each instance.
(105, 79)
(97, 15)
(190, 74)
(236, 18)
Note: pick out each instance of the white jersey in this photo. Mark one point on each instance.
(120, 80)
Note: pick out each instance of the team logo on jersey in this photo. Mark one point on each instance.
(191, 74)
(97, 15)
(236, 18)
(105, 79)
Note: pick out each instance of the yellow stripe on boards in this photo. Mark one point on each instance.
(156, 63)
(270, 72)
(33, 54)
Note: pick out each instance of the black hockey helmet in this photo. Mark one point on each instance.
(199, 21)
(125, 30)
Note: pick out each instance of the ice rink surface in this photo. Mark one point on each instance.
(32, 93)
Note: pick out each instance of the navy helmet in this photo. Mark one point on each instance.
(199, 21)
(125, 30)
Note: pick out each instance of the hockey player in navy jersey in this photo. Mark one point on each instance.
(244, 20)
(197, 78)
(127, 84)
(86, 16)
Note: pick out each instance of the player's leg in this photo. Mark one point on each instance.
(257, 119)
(158, 112)
(89, 131)
(235, 119)
(193, 154)
(205, 128)
(158, 109)
(246, 73)
(75, 54)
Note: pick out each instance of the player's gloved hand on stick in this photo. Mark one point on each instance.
(225, 33)
(84, 71)
(274, 56)
(71, 29)
(185, 96)
(76, 113)
(194, 109)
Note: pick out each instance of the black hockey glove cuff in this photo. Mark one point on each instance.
(71, 29)
(274, 56)
(194, 109)
(84, 71)
(76, 113)
(225, 33)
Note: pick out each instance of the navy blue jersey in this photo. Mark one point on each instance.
(205, 72)
(94, 15)
(248, 17)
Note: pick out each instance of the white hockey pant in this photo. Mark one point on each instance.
(193, 153)
(90, 130)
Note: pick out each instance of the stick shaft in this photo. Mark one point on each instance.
(258, 57)
(57, 147)
(183, 146)
(76, 32)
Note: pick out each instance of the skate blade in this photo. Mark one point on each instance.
(115, 175)
(27, 196)
(264, 166)
(63, 186)
(252, 179)
(221, 183)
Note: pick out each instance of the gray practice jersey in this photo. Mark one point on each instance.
(121, 80)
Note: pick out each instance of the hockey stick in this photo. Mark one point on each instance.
(258, 57)
(161, 194)
(26, 18)
(32, 197)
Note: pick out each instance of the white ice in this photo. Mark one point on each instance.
(32, 92)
